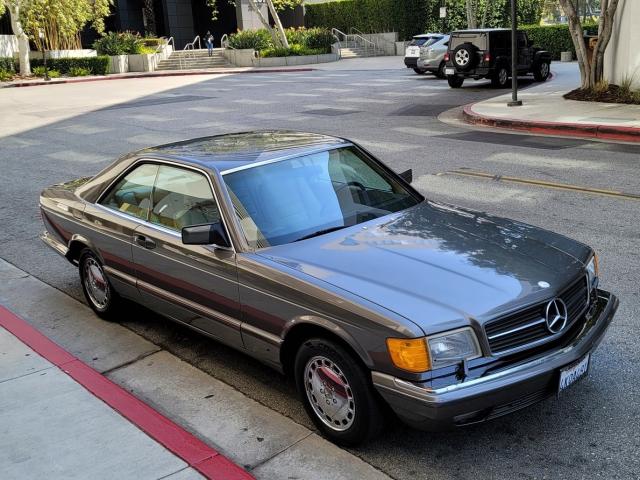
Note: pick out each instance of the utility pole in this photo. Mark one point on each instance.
(514, 57)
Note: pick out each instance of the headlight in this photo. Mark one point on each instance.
(453, 347)
(423, 354)
(592, 270)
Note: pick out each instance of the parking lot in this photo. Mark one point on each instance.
(57, 133)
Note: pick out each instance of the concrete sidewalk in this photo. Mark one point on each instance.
(52, 427)
(260, 440)
(545, 111)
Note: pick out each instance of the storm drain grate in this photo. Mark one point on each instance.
(149, 102)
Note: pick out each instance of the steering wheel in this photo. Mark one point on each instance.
(358, 185)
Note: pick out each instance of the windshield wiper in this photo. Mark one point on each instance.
(321, 232)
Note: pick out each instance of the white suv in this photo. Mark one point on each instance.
(425, 53)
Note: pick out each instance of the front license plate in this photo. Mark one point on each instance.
(571, 374)
(449, 71)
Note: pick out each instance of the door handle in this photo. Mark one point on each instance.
(144, 242)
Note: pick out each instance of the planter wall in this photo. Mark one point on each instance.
(146, 62)
(8, 45)
(119, 64)
(80, 53)
(248, 58)
(566, 56)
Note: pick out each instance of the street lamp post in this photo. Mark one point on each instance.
(44, 55)
(514, 57)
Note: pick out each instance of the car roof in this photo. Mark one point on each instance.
(235, 150)
(427, 35)
(482, 30)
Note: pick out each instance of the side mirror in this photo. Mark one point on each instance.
(207, 234)
(407, 175)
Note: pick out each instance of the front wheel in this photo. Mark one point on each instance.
(419, 71)
(541, 71)
(500, 78)
(337, 393)
(98, 291)
(454, 81)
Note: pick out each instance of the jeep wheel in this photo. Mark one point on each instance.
(500, 78)
(337, 393)
(541, 71)
(464, 57)
(455, 82)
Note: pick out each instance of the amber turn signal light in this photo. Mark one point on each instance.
(410, 354)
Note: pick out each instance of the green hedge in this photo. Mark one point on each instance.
(315, 40)
(7, 64)
(555, 38)
(411, 17)
(96, 65)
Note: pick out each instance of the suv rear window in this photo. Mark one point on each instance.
(478, 39)
(424, 41)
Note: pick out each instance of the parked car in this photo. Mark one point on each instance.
(432, 57)
(307, 253)
(418, 45)
(486, 53)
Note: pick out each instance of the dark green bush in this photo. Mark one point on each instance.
(119, 43)
(294, 50)
(5, 75)
(555, 38)
(7, 64)
(79, 72)
(318, 38)
(411, 17)
(256, 39)
(95, 65)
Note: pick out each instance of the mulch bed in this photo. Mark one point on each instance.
(613, 94)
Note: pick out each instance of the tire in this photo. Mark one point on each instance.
(100, 294)
(454, 81)
(541, 71)
(440, 71)
(418, 71)
(500, 78)
(464, 57)
(321, 363)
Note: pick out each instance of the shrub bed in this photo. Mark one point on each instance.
(7, 64)
(302, 41)
(94, 65)
(125, 43)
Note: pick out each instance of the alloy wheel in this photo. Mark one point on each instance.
(329, 393)
(96, 284)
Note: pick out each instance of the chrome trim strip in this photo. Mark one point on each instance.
(175, 164)
(286, 157)
(125, 277)
(177, 299)
(517, 329)
(258, 332)
(54, 243)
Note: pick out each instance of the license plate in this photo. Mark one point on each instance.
(414, 52)
(571, 374)
(449, 71)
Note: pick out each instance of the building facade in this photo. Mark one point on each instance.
(622, 57)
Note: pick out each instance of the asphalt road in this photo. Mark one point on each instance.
(56, 133)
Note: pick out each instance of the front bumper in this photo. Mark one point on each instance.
(497, 393)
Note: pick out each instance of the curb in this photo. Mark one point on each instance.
(584, 130)
(179, 73)
(197, 454)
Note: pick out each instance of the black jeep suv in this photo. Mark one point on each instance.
(486, 53)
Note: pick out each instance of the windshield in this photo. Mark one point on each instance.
(302, 197)
(424, 41)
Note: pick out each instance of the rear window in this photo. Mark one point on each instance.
(478, 39)
(424, 41)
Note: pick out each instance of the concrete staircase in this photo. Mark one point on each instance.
(193, 60)
(360, 51)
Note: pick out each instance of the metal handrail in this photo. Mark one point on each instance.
(224, 41)
(335, 32)
(365, 41)
(171, 41)
(192, 45)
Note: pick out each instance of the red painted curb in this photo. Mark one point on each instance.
(585, 130)
(200, 456)
(181, 73)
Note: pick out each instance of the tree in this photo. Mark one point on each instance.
(471, 14)
(15, 8)
(274, 6)
(591, 68)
